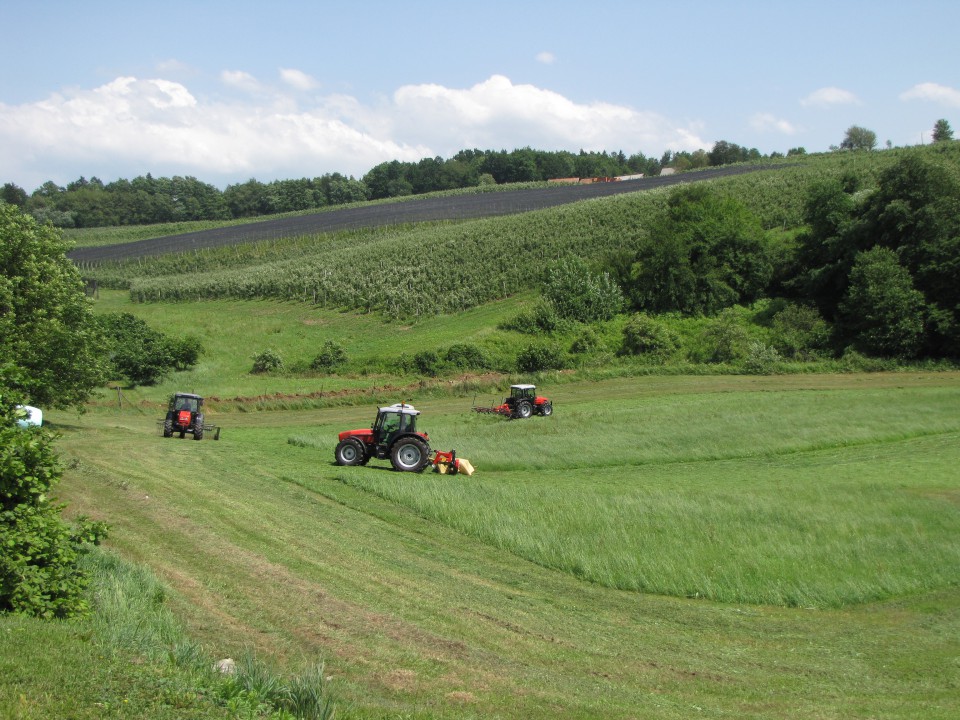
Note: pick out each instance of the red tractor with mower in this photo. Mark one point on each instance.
(522, 403)
(185, 415)
(394, 436)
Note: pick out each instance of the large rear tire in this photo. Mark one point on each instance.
(524, 409)
(168, 427)
(410, 455)
(350, 452)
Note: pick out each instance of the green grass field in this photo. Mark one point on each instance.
(759, 546)
(673, 542)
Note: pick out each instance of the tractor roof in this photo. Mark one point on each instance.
(402, 408)
(524, 387)
(188, 395)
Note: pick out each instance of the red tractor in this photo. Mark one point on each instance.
(185, 415)
(522, 403)
(393, 435)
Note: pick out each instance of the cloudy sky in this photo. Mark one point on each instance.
(228, 91)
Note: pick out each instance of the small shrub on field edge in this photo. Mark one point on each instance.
(644, 335)
(267, 361)
(542, 318)
(467, 357)
(331, 356)
(586, 342)
(761, 359)
(427, 362)
(536, 357)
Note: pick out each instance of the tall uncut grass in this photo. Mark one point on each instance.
(818, 499)
(130, 616)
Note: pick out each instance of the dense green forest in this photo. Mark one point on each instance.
(147, 200)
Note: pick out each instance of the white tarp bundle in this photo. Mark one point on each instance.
(34, 416)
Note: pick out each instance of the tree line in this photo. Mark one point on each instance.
(147, 200)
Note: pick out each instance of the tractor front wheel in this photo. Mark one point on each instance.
(546, 409)
(350, 452)
(410, 455)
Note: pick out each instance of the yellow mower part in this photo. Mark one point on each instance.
(457, 467)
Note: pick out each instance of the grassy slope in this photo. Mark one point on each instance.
(435, 597)
(268, 544)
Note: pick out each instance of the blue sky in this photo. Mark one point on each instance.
(228, 91)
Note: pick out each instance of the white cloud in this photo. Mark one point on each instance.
(241, 80)
(824, 97)
(130, 126)
(546, 57)
(933, 93)
(498, 114)
(765, 122)
(297, 79)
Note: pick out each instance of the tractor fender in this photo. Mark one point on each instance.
(421, 435)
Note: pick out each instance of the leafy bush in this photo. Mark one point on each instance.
(539, 357)
(578, 294)
(39, 570)
(138, 352)
(761, 359)
(799, 332)
(542, 318)
(726, 339)
(185, 351)
(467, 356)
(331, 356)
(644, 335)
(144, 355)
(586, 342)
(427, 362)
(267, 361)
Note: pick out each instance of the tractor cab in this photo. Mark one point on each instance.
(392, 422)
(527, 392)
(183, 401)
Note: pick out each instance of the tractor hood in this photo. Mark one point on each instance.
(364, 434)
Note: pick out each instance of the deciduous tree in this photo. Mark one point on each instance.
(859, 138)
(942, 131)
(705, 253)
(46, 323)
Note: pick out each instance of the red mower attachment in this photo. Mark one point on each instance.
(447, 463)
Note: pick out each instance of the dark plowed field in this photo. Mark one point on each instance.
(397, 213)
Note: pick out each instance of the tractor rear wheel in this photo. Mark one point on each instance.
(409, 455)
(350, 452)
(168, 427)
(524, 409)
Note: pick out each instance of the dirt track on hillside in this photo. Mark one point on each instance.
(396, 213)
